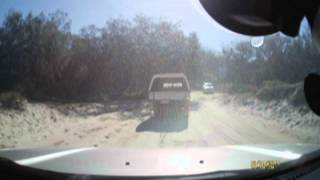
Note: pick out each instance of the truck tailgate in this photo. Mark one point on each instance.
(169, 95)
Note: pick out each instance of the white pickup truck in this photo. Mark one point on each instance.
(170, 93)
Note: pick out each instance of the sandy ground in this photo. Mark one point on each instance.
(131, 124)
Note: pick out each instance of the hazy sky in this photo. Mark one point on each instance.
(188, 13)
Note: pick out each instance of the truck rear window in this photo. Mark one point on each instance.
(169, 84)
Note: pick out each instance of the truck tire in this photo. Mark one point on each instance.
(161, 111)
(185, 120)
(182, 115)
(156, 109)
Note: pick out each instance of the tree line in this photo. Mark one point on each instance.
(41, 58)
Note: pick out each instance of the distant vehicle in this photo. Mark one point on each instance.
(207, 88)
(170, 91)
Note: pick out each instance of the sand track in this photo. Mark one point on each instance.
(130, 124)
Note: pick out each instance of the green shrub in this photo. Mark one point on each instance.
(238, 88)
(277, 90)
(12, 100)
(297, 98)
(135, 95)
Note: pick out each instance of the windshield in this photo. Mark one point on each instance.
(207, 85)
(77, 74)
(169, 84)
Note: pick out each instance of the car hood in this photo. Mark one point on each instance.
(153, 162)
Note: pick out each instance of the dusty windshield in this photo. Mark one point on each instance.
(77, 74)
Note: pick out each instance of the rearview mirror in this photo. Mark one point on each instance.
(262, 17)
(312, 92)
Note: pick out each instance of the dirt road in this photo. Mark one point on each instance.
(210, 123)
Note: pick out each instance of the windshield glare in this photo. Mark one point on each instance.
(77, 74)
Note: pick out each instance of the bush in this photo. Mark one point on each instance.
(277, 90)
(237, 88)
(12, 100)
(135, 94)
(274, 90)
(298, 98)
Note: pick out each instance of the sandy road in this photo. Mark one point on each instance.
(210, 123)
